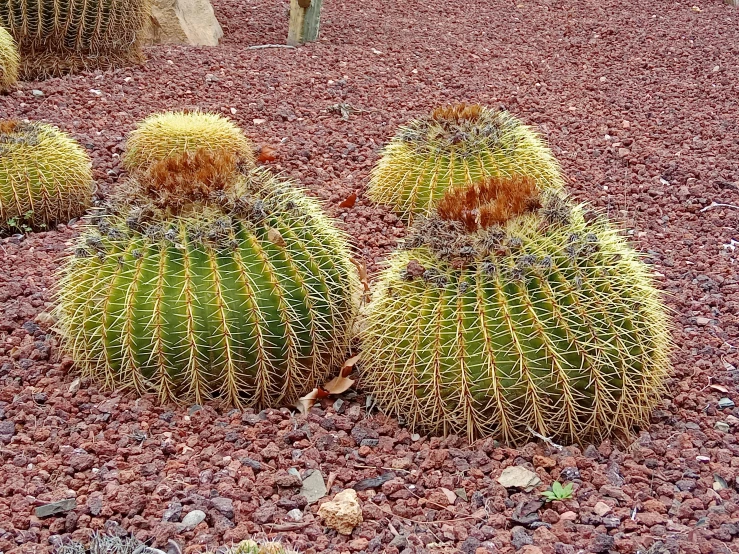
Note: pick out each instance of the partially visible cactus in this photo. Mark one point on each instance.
(162, 135)
(58, 37)
(245, 294)
(543, 322)
(261, 547)
(115, 541)
(45, 176)
(457, 146)
(9, 61)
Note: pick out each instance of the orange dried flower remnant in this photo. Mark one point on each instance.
(491, 201)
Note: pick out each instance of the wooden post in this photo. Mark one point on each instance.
(305, 20)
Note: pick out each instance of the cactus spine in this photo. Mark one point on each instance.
(457, 146)
(56, 37)
(165, 134)
(45, 176)
(247, 297)
(545, 322)
(9, 61)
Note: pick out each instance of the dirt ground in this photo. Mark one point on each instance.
(639, 101)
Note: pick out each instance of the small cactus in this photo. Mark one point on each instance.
(56, 38)
(532, 318)
(45, 176)
(165, 134)
(9, 61)
(244, 293)
(262, 547)
(457, 146)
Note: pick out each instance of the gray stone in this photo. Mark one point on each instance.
(224, 505)
(192, 519)
(520, 538)
(685, 485)
(56, 507)
(173, 512)
(602, 543)
(313, 488)
(295, 515)
(726, 403)
(569, 473)
(37, 93)
(248, 462)
(7, 428)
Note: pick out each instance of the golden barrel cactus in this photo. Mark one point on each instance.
(163, 135)
(45, 176)
(236, 287)
(509, 313)
(57, 37)
(9, 61)
(456, 146)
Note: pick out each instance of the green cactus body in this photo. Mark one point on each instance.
(456, 147)
(162, 135)
(56, 37)
(552, 328)
(45, 176)
(9, 61)
(253, 307)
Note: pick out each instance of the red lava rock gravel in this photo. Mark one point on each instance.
(639, 102)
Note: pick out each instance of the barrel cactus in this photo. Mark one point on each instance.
(45, 176)
(457, 146)
(165, 134)
(245, 294)
(9, 61)
(505, 321)
(59, 37)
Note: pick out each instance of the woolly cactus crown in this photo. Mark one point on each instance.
(508, 312)
(456, 146)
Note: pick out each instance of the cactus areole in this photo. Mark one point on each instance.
(243, 293)
(510, 313)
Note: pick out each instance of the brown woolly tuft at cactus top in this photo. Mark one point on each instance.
(189, 177)
(492, 201)
(457, 113)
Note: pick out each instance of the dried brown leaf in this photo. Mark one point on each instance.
(275, 237)
(267, 154)
(350, 201)
(337, 385)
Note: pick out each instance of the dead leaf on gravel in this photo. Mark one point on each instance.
(350, 201)
(275, 237)
(450, 495)
(720, 388)
(267, 154)
(337, 385)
